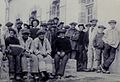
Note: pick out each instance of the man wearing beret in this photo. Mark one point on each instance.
(26, 43)
(111, 40)
(73, 35)
(91, 65)
(42, 49)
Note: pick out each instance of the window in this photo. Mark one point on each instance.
(82, 1)
(89, 13)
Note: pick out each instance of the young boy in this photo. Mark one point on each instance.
(62, 47)
(14, 60)
(111, 40)
(99, 46)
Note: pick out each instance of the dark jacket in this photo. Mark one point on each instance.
(33, 32)
(11, 40)
(62, 44)
(98, 42)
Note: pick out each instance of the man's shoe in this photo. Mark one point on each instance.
(102, 69)
(11, 76)
(24, 77)
(93, 70)
(107, 72)
(18, 77)
(36, 77)
(98, 71)
(87, 70)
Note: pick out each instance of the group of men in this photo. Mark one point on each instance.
(44, 42)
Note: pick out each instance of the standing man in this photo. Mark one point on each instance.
(34, 29)
(73, 35)
(92, 64)
(111, 40)
(42, 49)
(80, 47)
(56, 21)
(18, 28)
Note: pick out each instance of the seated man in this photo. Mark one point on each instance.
(42, 49)
(14, 60)
(62, 47)
(26, 43)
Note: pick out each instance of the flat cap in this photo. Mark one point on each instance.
(56, 18)
(73, 23)
(25, 31)
(61, 31)
(41, 31)
(101, 26)
(9, 24)
(20, 22)
(112, 21)
(66, 26)
(88, 25)
(94, 20)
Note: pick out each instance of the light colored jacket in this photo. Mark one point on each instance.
(92, 35)
(26, 45)
(42, 49)
(111, 37)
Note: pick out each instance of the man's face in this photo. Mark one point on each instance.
(25, 36)
(61, 35)
(12, 34)
(112, 25)
(94, 23)
(56, 21)
(81, 28)
(35, 24)
(41, 36)
(100, 30)
(19, 26)
(73, 26)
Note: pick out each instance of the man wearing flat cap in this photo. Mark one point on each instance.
(6, 33)
(26, 43)
(99, 46)
(42, 49)
(62, 48)
(56, 21)
(60, 26)
(73, 34)
(18, 28)
(111, 40)
(91, 65)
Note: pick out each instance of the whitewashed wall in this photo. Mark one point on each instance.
(23, 8)
(69, 11)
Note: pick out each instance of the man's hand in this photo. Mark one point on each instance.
(62, 54)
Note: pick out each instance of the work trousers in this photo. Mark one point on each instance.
(60, 64)
(30, 64)
(45, 63)
(108, 56)
(92, 62)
